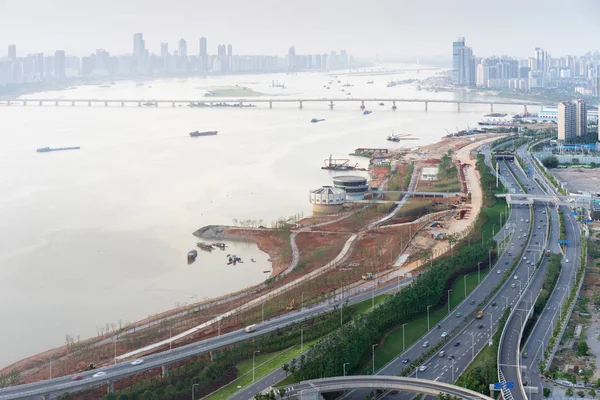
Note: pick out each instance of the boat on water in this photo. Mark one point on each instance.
(315, 120)
(233, 259)
(369, 82)
(49, 149)
(205, 133)
(393, 138)
(340, 164)
(367, 112)
(205, 246)
(381, 104)
(191, 256)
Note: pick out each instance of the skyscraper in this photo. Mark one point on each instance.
(139, 46)
(12, 52)
(182, 48)
(580, 118)
(164, 56)
(567, 116)
(59, 64)
(229, 50)
(463, 69)
(292, 57)
(203, 52)
(540, 59)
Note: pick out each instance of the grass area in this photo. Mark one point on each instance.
(233, 92)
(414, 208)
(446, 184)
(367, 305)
(392, 346)
(265, 363)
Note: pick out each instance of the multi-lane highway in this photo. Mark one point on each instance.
(537, 342)
(65, 384)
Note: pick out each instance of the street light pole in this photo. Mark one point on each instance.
(50, 367)
(345, 368)
(472, 346)
(302, 338)
(373, 297)
(403, 345)
(449, 290)
(373, 351)
(263, 312)
(193, 387)
(479, 272)
(115, 342)
(302, 307)
(428, 317)
(452, 369)
(170, 336)
(465, 280)
(253, 361)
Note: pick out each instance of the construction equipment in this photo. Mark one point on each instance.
(368, 276)
(341, 164)
(292, 305)
(440, 236)
(437, 225)
(460, 214)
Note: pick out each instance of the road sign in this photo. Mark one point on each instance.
(510, 385)
(574, 212)
(567, 241)
(589, 220)
(560, 241)
(497, 386)
(507, 385)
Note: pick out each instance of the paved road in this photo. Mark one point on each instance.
(64, 384)
(539, 337)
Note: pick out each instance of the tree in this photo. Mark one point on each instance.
(292, 366)
(550, 162)
(575, 160)
(547, 392)
(110, 396)
(148, 395)
(582, 348)
(586, 379)
(569, 392)
(592, 393)
(581, 393)
(286, 368)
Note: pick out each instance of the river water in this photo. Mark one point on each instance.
(98, 235)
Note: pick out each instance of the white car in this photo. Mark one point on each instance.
(498, 272)
(423, 368)
(515, 277)
(524, 258)
(444, 334)
(99, 374)
(522, 220)
(137, 362)
(567, 260)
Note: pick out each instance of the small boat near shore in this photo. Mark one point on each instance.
(191, 256)
(233, 259)
(315, 120)
(205, 246)
(220, 245)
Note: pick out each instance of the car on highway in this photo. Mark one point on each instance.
(442, 353)
(456, 344)
(458, 315)
(506, 262)
(426, 344)
(451, 357)
(498, 272)
(444, 334)
(493, 304)
(479, 326)
(515, 277)
(472, 302)
(423, 368)
(513, 286)
(524, 258)
(406, 361)
(137, 362)
(567, 260)
(99, 374)
(77, 378)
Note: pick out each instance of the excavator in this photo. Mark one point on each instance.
(292, 305)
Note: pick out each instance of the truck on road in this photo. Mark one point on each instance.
(480, 315)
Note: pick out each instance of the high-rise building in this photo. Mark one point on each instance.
(292, 57)
(229, 50)
(139, 46)
(59, 64)
(183, 48)
(203, 50)
(203, 63)
(581, 118)
(567, 120)
(540, 60)
(463, 67)
(12, 51)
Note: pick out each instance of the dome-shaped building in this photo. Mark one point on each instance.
(327, 199)
(355, 186)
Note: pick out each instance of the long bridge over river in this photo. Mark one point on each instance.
(216, 102)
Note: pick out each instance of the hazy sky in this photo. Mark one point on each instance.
(366, 28)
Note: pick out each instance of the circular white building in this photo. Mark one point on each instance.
(355, 186)
(327, 199)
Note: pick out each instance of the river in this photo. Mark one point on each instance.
(98, 235)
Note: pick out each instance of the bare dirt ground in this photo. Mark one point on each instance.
(586, 180)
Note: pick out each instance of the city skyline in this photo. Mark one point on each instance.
(381, 30)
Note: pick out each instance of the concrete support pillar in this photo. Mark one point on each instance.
(56, 103)
(394, 105)
(270, 104)
(110, 386)
(139, 103)
(241, 104)
(331, 104)
(40, 102)
(89, 103)
(122, 104)
(458, 107)
(492, 107)
(106, 104)
(301, 104)
(156, 104)
(165, 370)
(211, 103)
(24, 103)
(426, 104)
(362, 104)
(72, 104)
(173, 104)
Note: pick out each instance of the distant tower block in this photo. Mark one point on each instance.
(327, 199)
